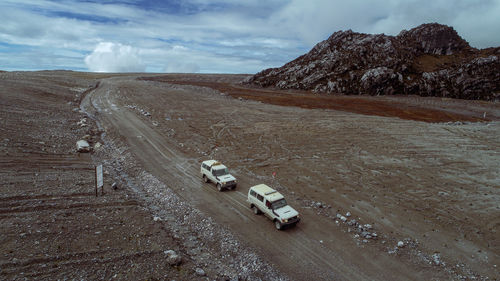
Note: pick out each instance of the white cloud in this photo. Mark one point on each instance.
(177, 67)
(114, 57)
(216, 36)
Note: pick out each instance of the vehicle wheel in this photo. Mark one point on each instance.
(255, 210)
(277, 224)
(205, 179)
(219, 187)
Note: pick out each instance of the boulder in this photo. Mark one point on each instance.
(82, 146)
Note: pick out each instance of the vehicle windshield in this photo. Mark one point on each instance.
(278, 204)
(221, 172)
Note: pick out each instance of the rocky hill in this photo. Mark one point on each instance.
(429, 60)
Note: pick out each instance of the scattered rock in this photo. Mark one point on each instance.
(401, 244)
(82, 123)
(173, 258)
(436, 259)
(200, 272)
(442, 193)
(348, 214)
(366, 234)
(114, 186)
(82, 146)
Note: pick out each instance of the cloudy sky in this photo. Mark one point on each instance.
(221, 36)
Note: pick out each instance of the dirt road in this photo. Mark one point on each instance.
(433, 186)
(366, 174)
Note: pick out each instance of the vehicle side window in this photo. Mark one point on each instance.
(253, 193)
(260, 197)
(213, 172)
(204, 166)
(268, 204)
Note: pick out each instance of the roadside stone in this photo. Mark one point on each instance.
(82, 146)
(436, 259)
(348, 214)
(401, 244)
(200, 271)
(173, 258)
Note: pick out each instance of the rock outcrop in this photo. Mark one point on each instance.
(429, 60)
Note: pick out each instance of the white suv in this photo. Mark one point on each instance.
(264, 199)
(214, 171)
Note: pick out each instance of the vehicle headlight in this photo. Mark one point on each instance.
(223, 182)
(284, 220)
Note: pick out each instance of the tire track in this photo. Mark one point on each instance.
(65, 206)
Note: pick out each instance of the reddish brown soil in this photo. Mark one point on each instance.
(357, 104)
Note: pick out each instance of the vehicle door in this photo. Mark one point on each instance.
(267, 209)
(211, 175)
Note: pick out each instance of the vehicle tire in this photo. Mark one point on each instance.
(277, 224)
(219, 187)
(205, 179)
(255, 210)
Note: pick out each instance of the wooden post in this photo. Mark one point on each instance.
(99, 179)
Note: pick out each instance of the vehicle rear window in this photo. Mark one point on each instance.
(260, 197)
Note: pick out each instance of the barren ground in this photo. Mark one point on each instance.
(423, 171)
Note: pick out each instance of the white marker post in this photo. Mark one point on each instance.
(99, 181)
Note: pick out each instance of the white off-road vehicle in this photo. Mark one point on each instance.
(264, 199)
(214, 171)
